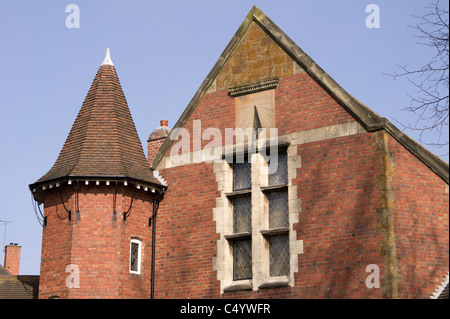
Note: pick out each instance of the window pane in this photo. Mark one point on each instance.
(242, 214)
(281, 175)
(242, 176)
(279, 255)
(242, 259)
(134, 257)
(278, 209)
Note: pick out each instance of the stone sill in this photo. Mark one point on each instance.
(275, 282)
(272, 188)
(275, 231)
(247, 285)
(238, 236)
(240, 285)
(239, 193)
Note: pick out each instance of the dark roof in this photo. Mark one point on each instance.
(19, 287)
(444, 293)
(365, 116)
(4, 271)
(103, 141)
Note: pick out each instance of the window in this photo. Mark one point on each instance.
(255, 215)
(241, 241)
(280, 177)
(242, 176)
(279, 255)
(278, 233)
(242, 259)
(135, 256)
(276, 230)
(278, 209)
(242, 214)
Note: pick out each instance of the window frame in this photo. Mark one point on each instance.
(260, 232)
(139, 256)
(237, 194)
(272, 188)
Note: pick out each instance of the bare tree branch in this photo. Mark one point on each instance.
(431, 100)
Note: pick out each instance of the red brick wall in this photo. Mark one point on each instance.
(153, 147)
(421, 224)
(302, 104)
(186, 235)
(337, 224)
(99, 246)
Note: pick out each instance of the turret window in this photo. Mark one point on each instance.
(135, 256)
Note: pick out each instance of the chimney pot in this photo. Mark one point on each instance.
(164, 123)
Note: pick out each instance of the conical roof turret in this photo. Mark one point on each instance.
(103, 142)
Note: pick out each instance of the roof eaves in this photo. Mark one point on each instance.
(37, 189)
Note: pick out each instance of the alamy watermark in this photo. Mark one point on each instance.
(240, 145)
(373, 279)
(373, 19)
(73, 19)
(73, 280)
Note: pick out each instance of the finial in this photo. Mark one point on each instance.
(107, 60)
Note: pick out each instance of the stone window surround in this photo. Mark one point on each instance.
(223, 215)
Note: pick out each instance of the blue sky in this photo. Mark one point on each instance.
(162, 51)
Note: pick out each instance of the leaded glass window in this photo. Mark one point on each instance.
(279, 255)
(278, 209)
(242, 259)
(242, 214)
(135, 256)
(242, 176)
(281, 174)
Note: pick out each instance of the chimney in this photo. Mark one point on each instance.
(156, 139)
(12, 258)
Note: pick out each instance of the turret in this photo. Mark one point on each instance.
(98, 202)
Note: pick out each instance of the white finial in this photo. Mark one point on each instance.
(107, 60)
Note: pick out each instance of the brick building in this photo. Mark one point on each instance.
(323, 198)
(13, 285)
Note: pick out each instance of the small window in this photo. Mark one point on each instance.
(135, 256)
(242, 176)
(280, 177)
(279, 255)
(278, 209)
(242, 214)
(242, 259)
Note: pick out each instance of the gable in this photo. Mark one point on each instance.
(260, 51)
(256, 58)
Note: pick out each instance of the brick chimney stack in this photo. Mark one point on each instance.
(12, 258)
(156, 139)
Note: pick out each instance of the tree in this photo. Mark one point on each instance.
(430, 102)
